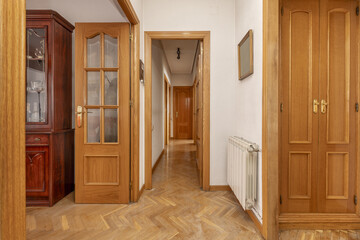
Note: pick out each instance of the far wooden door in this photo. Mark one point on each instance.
(102, 94)
(318, 85)
(183, 115)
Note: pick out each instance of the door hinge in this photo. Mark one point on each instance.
(357, 11)
(282, 11)
(357, 107)
(131, 36)
(130, 185)
(280, 200)
(355, 199)
(131, 103)
(281, 107)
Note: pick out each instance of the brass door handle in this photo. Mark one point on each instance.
(176, 114)
(315, 106)
(323, 106)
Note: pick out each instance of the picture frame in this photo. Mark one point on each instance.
(245, 56)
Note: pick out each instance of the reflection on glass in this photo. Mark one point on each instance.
(93, 125)
(36, 85)
(111, 93)
(93, 88)
(111, 125)
(111, 50)
(93, 51)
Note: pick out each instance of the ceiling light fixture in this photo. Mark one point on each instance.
(178, 53)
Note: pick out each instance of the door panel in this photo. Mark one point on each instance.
(299, 83)
(103, 119)
(338, 77)
(183, 112)
(37, 175)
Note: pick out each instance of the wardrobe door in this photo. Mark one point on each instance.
(299, 115)
(338, 78)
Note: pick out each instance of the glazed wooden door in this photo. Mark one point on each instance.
(183, 112)
(338, 78)
(102, 133)
(299, 122)
(318, 86)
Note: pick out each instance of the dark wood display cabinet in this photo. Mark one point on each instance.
(49, 132)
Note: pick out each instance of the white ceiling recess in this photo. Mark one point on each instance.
(187, 54)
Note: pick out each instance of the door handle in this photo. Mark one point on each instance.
(315, 106)
(79, 116)
(176, 114)
(323, 106)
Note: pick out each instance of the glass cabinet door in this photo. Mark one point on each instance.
(36, 79)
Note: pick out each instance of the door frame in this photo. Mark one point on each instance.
(166, 109)
(270, 118)
(12, 119)
(134, 97)
(192, 110)
(178, 35)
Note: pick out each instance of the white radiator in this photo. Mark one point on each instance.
(242, 170)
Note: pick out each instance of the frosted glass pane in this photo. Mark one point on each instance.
(111, 90)
(93, 52)
(93, 125)
(93, 88)
(111, 51)
(111, 125)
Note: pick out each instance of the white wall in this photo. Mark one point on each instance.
(217, 16)
(81, 11)
(159, 68)
(248, 109)
(182, 80)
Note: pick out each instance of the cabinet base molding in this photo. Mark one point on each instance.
(319, 221)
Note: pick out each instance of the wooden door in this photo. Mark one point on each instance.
(338, 77)
(102, 94)
(198, 113)
(183, 112)
(318, 86)
(299, 121)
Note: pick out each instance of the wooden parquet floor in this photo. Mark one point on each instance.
(176, 208)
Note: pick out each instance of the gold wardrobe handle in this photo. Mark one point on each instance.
(315, 106)
(323, 106)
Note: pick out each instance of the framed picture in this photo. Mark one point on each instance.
(245, 56)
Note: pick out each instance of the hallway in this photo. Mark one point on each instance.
(176, 208)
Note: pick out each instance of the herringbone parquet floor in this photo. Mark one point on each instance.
(175, 208)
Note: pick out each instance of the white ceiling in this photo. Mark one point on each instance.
(187, 54)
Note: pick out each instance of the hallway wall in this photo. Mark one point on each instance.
(218, 17)
(159, 68)
(248, 95)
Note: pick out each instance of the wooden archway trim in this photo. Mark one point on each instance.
(12, 119)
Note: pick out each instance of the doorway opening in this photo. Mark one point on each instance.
(180, 116)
